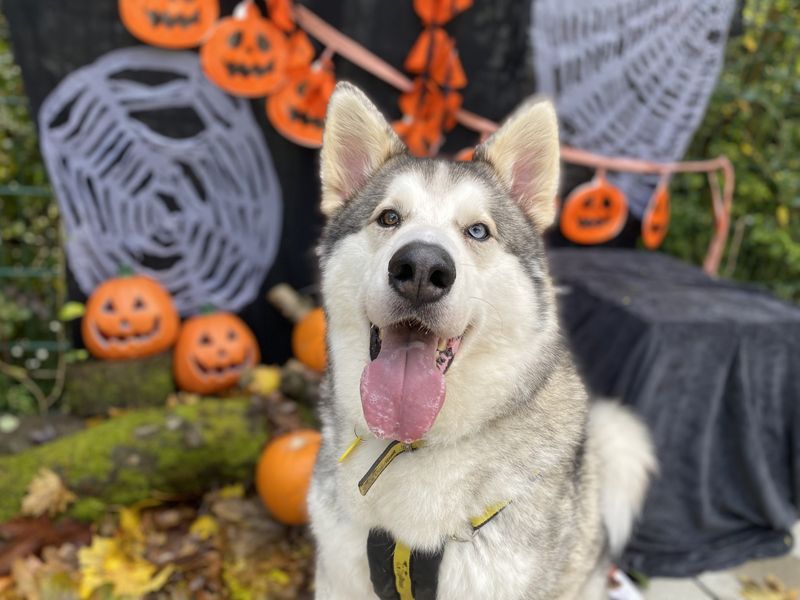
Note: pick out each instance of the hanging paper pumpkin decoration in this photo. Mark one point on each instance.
(655, 222)
(438, 12)
(129, 317)
(283, 474)
(300, 54)
(435, 53)
(466, 154)
(298, 110)
(423, 138)
(594, 212)
(213, 352)
(280, 13)
(169, 23)
(245, 54)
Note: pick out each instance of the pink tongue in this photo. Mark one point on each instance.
(402, 391)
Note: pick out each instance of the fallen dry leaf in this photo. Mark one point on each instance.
(47, 494)
(105, 562)
(772, 589)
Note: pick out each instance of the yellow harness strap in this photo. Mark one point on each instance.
(402, 571)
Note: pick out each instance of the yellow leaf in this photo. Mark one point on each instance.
(231, 491)
(105, 562)
(130, 524)
(204, 527)
(750, 43)
(47, 494)
(279, 576)
(263, 380)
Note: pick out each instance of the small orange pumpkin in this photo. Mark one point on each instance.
(594, 212)
(169, 23)
(298, 110)
(283, 474)
(212, 353)
(308, 340)
(245, 54)
(129, 317)
(655, 222)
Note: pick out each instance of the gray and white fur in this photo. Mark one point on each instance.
(516, 425)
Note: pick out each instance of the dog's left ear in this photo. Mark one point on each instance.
(356, 142)
(525, 154)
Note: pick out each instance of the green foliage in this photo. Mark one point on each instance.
(30, 250)
(754, 119)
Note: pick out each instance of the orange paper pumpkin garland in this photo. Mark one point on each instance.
(129, 317)
(298, 110)
(245, 54)
(594, 212)
(169, 23)
(212, 353)
(655, 222)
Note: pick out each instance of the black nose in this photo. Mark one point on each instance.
(421, 273)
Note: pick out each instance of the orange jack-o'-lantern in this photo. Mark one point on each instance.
(245, 54)
(298, 110)
(169, 23)
(129, 317)
(212, 353)
(594, 212)
(656, 218)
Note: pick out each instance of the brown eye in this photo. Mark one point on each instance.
(389, 218)
(231, 334)
(108, 306)
(205, 340)
(138, 303)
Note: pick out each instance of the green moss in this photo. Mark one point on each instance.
(93, 387)
(182, 451)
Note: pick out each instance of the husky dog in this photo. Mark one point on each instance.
(444, 341)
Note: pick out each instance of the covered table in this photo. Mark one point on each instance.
(714, 369)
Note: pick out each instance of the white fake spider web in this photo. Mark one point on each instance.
(630, 77)
(157, 169)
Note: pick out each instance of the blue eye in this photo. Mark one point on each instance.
(478, 231)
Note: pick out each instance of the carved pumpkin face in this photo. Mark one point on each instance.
(245, 54)
(169, 23)
(298, 110)
(656, 219)
(594, 213)
(129, 317)
(212, 353)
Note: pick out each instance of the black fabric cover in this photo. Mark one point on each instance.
(712, 367)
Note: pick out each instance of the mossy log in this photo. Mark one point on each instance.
(93, 387)
(181, 452)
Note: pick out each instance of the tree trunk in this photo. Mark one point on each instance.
(181, 452)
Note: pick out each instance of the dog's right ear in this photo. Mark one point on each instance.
(356, 142)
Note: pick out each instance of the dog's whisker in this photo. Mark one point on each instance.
(497, 312)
